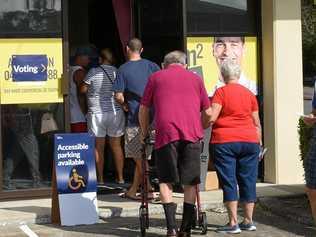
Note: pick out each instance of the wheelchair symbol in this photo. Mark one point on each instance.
(77, 179)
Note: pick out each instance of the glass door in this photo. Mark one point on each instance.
(32, 101)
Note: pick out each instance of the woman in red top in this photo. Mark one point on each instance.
(236, 135)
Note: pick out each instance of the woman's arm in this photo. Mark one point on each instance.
(256, 120)
(216, 109)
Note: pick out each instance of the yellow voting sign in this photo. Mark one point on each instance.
(205, 55)
(30, 71)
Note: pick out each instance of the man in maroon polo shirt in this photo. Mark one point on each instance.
(178, 97)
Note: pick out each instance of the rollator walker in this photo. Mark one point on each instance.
(143, 209)
(200, 216)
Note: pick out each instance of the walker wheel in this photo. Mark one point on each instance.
(143, 220)
(203, 223)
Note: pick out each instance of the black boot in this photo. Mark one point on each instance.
(170, 213)
(187, 219)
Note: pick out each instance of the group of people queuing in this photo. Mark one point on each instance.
(173, 103)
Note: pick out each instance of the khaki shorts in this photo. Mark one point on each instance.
(133, 145)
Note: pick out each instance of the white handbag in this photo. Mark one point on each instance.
(48, 123)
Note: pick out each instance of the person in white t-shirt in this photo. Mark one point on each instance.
(77, 100)
(234, 48)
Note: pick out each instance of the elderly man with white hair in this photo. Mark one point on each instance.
(178, 97)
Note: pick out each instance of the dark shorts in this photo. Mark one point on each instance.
(236, 164)
(179, 162)
(310, 165)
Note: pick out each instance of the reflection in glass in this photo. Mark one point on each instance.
(238, 4)
(30, 18)
(27, 132)
(222, 17)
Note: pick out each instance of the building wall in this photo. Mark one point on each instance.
(283, 89)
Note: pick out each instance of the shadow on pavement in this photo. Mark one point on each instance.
(268, 219)
(124, 226)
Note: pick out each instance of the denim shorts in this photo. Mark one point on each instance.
(236, 164)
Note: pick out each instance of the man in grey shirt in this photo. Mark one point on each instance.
(105, 116)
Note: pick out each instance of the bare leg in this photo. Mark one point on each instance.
(232, 212)
(99, 157)
(165, 192)
(311, 193)
(137, 179)
(248, 212)
(115, 143)
(189, 194)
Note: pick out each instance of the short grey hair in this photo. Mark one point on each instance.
(230, 68)
(175, 57)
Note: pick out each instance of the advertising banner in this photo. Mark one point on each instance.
(205, 55)
(30, 71)
(76, 178)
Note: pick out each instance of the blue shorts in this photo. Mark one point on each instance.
(236, 164)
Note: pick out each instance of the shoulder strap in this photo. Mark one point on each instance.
(107, 74)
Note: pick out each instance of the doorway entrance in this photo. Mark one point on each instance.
(99, 24)
(93, 24)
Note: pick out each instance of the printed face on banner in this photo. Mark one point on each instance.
(206, 54)
(228, 47)
(75, 163)
(30, 71)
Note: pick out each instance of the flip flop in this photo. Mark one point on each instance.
(125, 195)
(150, 197)
(120, 182)
(156, 200)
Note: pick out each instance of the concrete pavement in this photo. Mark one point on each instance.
(38, 210)
(268, 225)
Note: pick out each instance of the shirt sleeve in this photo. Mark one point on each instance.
(119, 84)
(154, 67)
(205, 103)
(89, 76)
(218, 97)
(147, 98)
(254, 104)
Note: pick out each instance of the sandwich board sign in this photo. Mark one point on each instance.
(76, 178)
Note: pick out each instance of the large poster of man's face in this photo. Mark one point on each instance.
(206, 54)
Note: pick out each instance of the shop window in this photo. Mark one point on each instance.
(222, 17)
(28, 131)
(30, 18)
